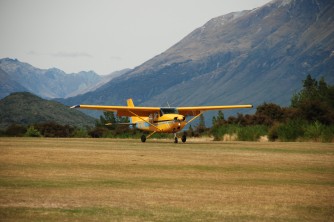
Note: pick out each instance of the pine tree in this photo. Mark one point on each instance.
(315, 101)
(201, 125)
(107, 118)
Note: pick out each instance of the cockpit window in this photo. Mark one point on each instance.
(168, 111)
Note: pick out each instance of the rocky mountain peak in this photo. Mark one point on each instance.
(250, 56)
(47, 83)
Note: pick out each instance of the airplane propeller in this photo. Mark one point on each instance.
(176, 119)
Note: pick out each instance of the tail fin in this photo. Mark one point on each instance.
(130, 103)
(133, 119)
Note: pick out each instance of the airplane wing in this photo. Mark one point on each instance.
(146, 111)
(196, 110)
(122, 110)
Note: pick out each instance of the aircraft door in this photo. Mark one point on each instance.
(150, 118)
(155, 117)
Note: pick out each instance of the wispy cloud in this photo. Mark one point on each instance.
(34, 53)
(62, 54)
(71, 54)
(115, 58)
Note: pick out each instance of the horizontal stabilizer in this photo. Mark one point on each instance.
(128, 124)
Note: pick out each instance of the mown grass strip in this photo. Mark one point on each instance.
(162, 213)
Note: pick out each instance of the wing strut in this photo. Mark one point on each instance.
(194, 118)
(144, 120)
(151, 134)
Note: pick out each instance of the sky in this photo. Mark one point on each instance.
(102, 35)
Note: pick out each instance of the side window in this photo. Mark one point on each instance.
(150, 118)
(156, 116)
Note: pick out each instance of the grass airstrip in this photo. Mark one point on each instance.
(45, 179)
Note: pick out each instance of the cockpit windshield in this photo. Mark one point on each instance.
(168, 111)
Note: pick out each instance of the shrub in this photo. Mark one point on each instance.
(15, 130)
(251, 133)
(314, 131)
(32, 132)
(218, 132)
(327, 136)
(244, 133)
(51, 129)
(98, 132)
(291, 130)
(273, 132)
(80, 133)
(269, 113)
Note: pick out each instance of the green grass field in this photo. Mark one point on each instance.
(125, 180)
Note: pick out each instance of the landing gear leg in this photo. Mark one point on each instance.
(175, 138)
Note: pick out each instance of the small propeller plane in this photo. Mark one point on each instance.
(159, 119)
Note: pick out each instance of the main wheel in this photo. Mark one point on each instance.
(176, 140)
(184, 138)
(143, 138)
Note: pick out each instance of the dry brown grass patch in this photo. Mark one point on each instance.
(103, 179)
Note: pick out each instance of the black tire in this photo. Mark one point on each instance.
(143, 138)
(176, 140)
(184, 138)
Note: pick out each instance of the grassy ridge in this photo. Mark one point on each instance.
(25, 109)
(125, 180)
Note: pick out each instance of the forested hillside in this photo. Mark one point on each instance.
(27, 109)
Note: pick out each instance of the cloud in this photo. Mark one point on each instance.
(115, 58)
(71, 55)
(62, 54)
(34, 53)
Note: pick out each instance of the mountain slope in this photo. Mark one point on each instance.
(26, 108)
(104, 79)
(7, 85)
(49, 83)
(244, 57)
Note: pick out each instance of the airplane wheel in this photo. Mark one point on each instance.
(143, 138)
(176, 140)
(184, 138)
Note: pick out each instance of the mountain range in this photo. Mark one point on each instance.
(253, 56)
(17, 76)
(7, 85)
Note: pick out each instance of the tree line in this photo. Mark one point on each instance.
(309, 117)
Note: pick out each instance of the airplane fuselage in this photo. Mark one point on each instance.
(168, 123)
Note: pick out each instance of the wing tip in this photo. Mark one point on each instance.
(75, 106)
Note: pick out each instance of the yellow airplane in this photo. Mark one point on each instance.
(159, 119)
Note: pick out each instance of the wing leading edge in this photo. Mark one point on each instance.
(122, 110)
(146, 111)
(196, 110)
